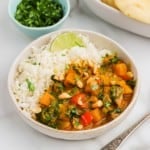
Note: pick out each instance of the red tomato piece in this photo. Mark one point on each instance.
(78, 99)
(86, 118)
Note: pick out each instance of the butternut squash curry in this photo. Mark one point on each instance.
(87, 95)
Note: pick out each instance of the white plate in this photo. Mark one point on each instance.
(118, 19)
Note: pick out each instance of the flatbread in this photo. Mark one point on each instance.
(110, 3)
(136, 9)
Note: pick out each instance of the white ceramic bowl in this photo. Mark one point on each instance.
(117, 18)
(101, 42)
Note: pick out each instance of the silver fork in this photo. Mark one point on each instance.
(113, 145)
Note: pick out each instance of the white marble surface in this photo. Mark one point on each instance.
(15, 134)
(140, 135)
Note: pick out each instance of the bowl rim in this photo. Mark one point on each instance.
(40, 28)
(107, 6)
(122, 115)
(116, 11)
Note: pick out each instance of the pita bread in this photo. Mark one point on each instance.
(110, 3)
(136, 9)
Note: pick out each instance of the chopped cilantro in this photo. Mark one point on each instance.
(131, 83)
(31, 86)
(94, 87)
(38, 13)
(114, 60)
(117, 110)
(107, 104)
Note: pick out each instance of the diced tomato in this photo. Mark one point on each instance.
(86, 118)
(78, 99)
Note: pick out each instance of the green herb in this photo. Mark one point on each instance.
(67, 67)
(74, 90)
(117, 110)
(76, 68)
(107, 104)
(58, 87)
(114, 60)
(94, 87)
(29, 57)
(131, 83)
(72, 112)
(38, 13)
(100, 96)
(31, 86)
(63, 54)
(75, 122)
(115, 92)
(53, 77)
(45, 116)
(49, 115)
(111, 59)
(101, 93)
(34, 63)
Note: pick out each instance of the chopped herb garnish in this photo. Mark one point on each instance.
(31, 86)
(109, 60)
(114, 60)
(49, 115)
(115, 92)
(74, 91)
(117, 110)
(94, 87)
(101, 93)
(38, 13)
(66, 67)
(53, 77)
(76, 122)
(34, 63)
(29, 57)
(72, 112)
(58, 87)
(131, 83)
(63, 54)
(107, 104)
(100, 96)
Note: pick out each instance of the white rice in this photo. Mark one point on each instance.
(47, 64)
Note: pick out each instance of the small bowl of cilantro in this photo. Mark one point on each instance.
(38, 17)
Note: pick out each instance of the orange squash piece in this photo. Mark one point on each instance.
(46, 99)
(127, 88)
(70, 77)
(97, 115)
(120, 69)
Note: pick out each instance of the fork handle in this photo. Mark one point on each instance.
(117, 141)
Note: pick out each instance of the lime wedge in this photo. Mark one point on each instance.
(66, 40)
